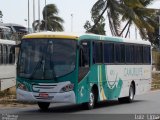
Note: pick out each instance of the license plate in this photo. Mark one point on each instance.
(43, 95)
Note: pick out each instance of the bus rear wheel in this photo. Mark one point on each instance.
(129, 98)
(43, 105)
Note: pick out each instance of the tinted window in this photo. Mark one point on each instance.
(46, 59)
(130, 53)
(119, 53)
(97, 52)
(108, 52)
(86, 51)
(146, 54)
(4, 54)
(139, 54)
(1, 54)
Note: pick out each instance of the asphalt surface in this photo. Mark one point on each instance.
(145, 106)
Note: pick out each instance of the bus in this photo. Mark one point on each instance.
(17, 31)
(7, 60)
(5, 33)
(81, 69)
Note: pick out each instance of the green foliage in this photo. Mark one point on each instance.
(51, 21)
(154, 36)
(1, 15)
(132, 12)
(99, 29)
(112, 8)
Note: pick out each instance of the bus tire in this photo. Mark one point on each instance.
(43, 105)
(92, 99)
(129, 98)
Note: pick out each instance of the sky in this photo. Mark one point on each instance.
(16, 11)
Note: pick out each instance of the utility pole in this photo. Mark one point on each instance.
(71, 22)
(28, 17)
(33, 12)
(45, 16)
(39, 10)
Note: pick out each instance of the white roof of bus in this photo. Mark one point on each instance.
(137, 41)
(3, 27)
(77, 35)
(9, 42)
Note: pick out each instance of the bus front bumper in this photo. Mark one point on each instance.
(65, 97)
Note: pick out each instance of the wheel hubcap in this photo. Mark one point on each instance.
(131, 93)
(91, 99)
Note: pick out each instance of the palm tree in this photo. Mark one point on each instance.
(129, 10)
(99, 29)
(51, 21)
(1, 15)
(135, 12)
(112, 8)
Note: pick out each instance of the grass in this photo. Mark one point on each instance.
(155, 81)
(7, 96)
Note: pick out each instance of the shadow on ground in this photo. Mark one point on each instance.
(76, 108)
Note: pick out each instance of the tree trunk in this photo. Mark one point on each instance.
(124, 27)
(128, 30)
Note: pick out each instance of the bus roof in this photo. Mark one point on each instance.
(49, 34)
(3, 27)
(9, 42)
(113, 38)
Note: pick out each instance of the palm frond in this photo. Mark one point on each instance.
(50, 10)
(56, 18)
(98, 7)
(145, 3)
(133, 3)
(36, 25)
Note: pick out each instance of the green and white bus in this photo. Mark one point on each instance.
(67, 68)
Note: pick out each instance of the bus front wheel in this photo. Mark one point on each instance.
(92, 99)
(43, 105)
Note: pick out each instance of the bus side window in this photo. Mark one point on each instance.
(1, 33)
(4, 54)
(84, 55)
(11, 54)
(81, 58)
(84, 60)
(97, 52)
(1, 55)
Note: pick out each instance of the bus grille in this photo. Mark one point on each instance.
(49, 88)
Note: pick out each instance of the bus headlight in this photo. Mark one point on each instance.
(22, 87)
(67, 88)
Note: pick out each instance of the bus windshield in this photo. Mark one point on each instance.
(46, 58)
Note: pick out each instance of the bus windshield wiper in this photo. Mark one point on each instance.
(40, 62)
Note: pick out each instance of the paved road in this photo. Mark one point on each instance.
(144, 104)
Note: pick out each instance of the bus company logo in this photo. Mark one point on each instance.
(81, 91)
(133, 72)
